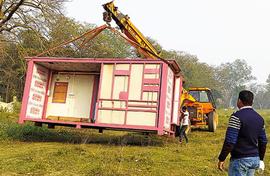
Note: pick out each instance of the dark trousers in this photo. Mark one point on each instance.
(182, 132)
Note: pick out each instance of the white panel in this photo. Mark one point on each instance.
(83, 89)
(79, 96)
(142, 103)
(119, 104)
(112, 104)
(122, 67)
(176, 100)
(141, 108)
(152, 66)
(120, 85)
(169, 98)
(111, 117)
(151, 76)
(37, 92)
(106, 81)
(106, 104)
(150, 96)
(135, 87)
(141, 118)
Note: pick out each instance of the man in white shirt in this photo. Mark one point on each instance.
(184, 122)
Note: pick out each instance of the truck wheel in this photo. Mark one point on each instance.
(212, 121)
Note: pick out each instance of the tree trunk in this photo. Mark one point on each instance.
(7, 93)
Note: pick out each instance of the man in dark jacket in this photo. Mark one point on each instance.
(245, 139)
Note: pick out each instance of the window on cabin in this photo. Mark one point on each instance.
(60, 92)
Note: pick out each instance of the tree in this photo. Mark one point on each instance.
(12, 73)
(261, 96)
(105, 45)
(23, 28)
(196, 74)
(108, 45)
(28, 14)
(268, 83)
(233, 76)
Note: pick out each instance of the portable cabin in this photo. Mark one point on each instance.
(121, 94)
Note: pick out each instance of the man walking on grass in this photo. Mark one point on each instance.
(184, 122)
(245, 139)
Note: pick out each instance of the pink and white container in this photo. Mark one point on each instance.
(123, 94)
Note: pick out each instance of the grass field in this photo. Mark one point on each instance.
(29, 150)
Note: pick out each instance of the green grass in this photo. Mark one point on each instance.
(29, 150)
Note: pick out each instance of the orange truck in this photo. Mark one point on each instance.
(201, 107)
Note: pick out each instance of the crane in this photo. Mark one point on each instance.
(199, 101)
(129, 29)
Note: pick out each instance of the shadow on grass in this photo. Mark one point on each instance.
(201, 129)
(29, 133)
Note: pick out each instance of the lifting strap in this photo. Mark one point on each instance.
(91, 34)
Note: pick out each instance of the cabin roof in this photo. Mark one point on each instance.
(85, 64)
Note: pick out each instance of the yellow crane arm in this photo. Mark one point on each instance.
(128, 28)
(1, 12)
(185, 96)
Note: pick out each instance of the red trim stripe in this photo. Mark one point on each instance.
(151, 71)
(150, 88)
(151, 81)
(122, 72)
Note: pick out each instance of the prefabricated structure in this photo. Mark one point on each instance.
(123, 94)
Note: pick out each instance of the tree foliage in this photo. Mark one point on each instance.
(23, 31)
(233, 76)
(268, 83)
(12, 72)
(28, 14)
(261, 96)
(196, 74)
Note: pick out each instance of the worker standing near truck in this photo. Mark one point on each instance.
(184, 123)
(245, 139)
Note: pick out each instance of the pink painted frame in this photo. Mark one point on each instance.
(173, 94)
(26, 91)
(101, 125)
(46, 95)
(94, 97)
(98, 97)
(126, 111)
(162, 100)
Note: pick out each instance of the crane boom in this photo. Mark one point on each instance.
(129, 29)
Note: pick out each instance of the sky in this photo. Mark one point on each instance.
(217, 31)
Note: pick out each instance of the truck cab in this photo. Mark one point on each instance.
(203, 110)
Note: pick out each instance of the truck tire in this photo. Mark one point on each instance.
(212, 121)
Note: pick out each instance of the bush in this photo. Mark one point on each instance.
(11, 130)
(16, 107)
(29, 132)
